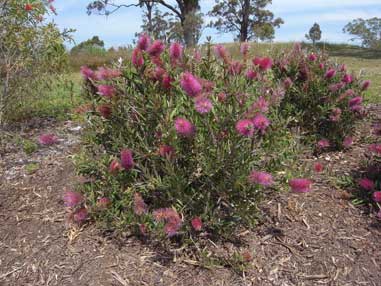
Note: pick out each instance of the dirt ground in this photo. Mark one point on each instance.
(318, 238)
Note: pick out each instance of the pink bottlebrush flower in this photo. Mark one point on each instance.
(318, 167)
(261, 178)
(166, 151)
(379, 214)
(196, 223)
(190, 84)
(126, 159)
(323, 144)
(347, 78)
(257, 61)
(106, 73)
(321, 66)
(207, 85)
(365, 85)
(335, 115)
(159, 73)
(87, 72)
(261, 123)
(375, 148)
(355, 101)
(175, 52)
(251, 75)
(347, 93)
(166, 81)
(105, 110)
(343, 68)
(377, 197)
(221, 97)
(184, 127)
(72, 199)
(366, 184)
(80, 215)
(244, 48)
(348, 141)
(235, 68)
(220, 52)
(106, 90)
(203, 105)
(171, 218)
(115, 167)
(48, 139)
(137, 58)
(330, 74)
(261, 105)
(287, 83)
(300, 185)
(312, 57)
(336, 87)
(140, 207)
(245, 127)
(156, 48)
(266, 64)
(143, 229)
(103, 203)
(144, 42)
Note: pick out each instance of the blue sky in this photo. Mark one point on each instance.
(299, 15)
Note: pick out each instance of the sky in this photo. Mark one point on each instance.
(299, 15)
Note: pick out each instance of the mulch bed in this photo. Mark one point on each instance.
(318, 238)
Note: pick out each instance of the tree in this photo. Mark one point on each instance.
(184, 11)
(248, 18)
(95, 43)
(368, 31)
(314, 34)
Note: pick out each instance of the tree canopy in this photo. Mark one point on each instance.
(368, 31)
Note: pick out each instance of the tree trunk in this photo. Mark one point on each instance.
(188, 10)
(244, 32)
(149, 7)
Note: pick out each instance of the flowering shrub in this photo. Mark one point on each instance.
(323, 97)
(177, 143)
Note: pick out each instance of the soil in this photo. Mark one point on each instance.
(318, 238)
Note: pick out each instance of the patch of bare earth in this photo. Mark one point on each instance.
(312, 239)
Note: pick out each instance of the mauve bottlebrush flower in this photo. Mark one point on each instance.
(235, 68)
(72, 199)
(137, 58)
(336, 87)
(347, 78)
(287, 83)
(221, 97)
(166, 81)
(377, 197)
(375, 148)
(318, 167)
(143, 229)
(260, 105)
(348, 141)
(261, 178)
(321, 66)
(323, 144)
(126, 159)
(87, 72)
(166, 151)
(156, 48)
(115, 167)
(106, 90)
(203, 105)
(251, 75)
(220, 52)
(330, 74)
(378, 215)
(343, 68)
(245, 127)
(106, 73)
(104, 110)
(366, 184)
(184, 127)
(171, 218)
(244, 49)
(144, 42)
(175, 52)
(365, 84)
(47, 139)
(196, 223)
(335, 115)
(190, 84)
(266, 64)
(312, 57)
(197, 56)
(140, 207)
(261, 122)
(355, 101)
(80, 215)
(257, 61)
(103, 203)
(159, 73)
(300, 185)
